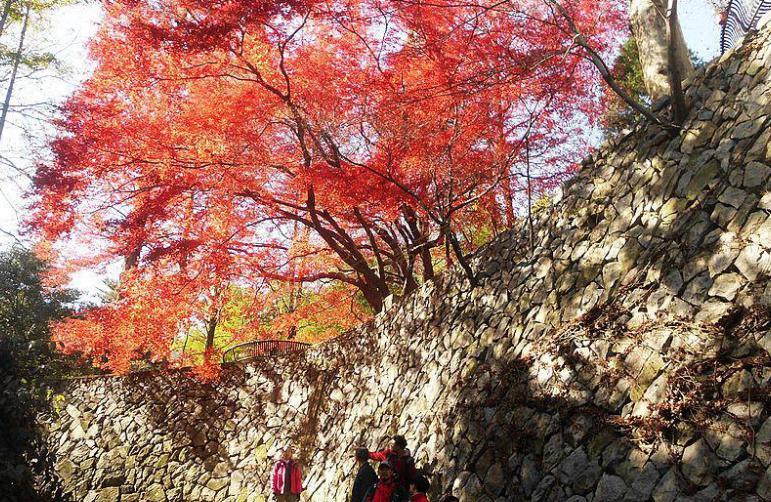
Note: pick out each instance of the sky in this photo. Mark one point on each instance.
(66, 31)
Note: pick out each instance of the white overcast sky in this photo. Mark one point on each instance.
(66, 32)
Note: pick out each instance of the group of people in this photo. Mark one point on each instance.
(396, 480)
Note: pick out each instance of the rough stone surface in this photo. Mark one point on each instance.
(560, 377)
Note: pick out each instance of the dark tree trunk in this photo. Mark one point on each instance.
(603, 68)
(4, 15)
(14, 71)
(531, 232)
(211, 329)
(458, 252)
(679, 107)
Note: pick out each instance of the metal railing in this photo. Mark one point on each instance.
(261, 348)
(741, 17)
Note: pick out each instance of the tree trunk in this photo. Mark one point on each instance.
(4, 15)
(530, 231)
(607, 76)
(373, 297)
(132, 259)
(295, 287)
(428, 264)
(508, 196)
(184, 345)
(651, 30)
(211, 329)
(14, 71)
(679, 107)
(458, 251)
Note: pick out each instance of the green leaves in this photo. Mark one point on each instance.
(26, 308)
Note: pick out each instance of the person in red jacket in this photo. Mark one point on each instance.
(399, 457)
(387, 489)
(287, 481)
(418, 488)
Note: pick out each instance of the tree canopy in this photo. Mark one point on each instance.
(27, 306)
(355, 143)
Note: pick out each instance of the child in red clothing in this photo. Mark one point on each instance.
(386, 489)
(418, 488)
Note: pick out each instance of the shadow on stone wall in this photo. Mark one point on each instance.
(26, 463)
(690, 282)
(578, 434)
(195, 415)
(600, 412)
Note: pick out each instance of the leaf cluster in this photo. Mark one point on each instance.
(347, 151)
(27, 308)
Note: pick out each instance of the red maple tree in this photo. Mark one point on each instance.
(392, 132)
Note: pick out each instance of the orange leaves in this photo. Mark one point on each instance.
(210, 370)
(302, 150)
(139, 326)
(319, 316)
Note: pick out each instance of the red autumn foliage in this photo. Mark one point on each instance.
(384, 133)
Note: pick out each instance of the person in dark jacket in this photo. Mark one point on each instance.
(386, 489)
(398, 456)
(365, 477)
(449, 498)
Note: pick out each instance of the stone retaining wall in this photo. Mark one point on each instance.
(625, 358)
